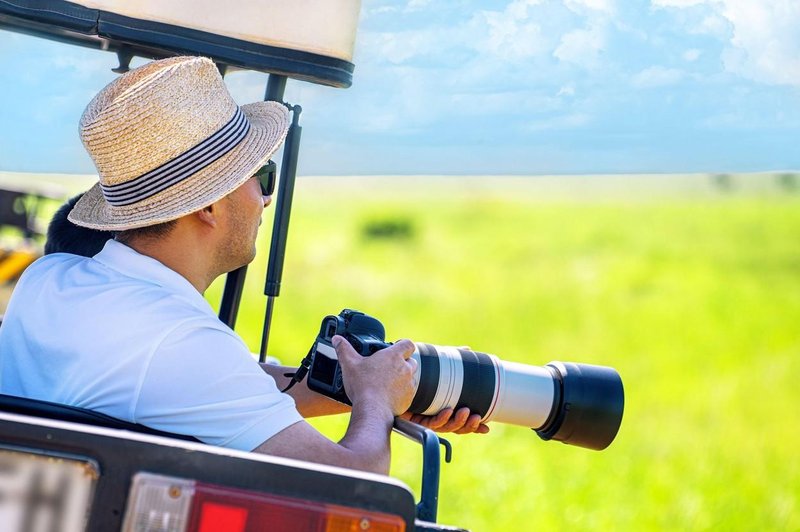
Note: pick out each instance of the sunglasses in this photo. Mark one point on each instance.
(267, 175)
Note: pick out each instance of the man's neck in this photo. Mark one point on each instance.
(189, 261)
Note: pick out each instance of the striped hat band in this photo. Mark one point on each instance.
(181, 167)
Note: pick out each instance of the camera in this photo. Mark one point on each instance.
(365, 333)
(577, 404)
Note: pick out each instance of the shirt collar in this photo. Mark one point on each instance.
(131, 263)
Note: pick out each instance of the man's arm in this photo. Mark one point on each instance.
(380, 387)
(309, 403)
(312, 404)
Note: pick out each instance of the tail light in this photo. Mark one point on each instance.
(169, 504)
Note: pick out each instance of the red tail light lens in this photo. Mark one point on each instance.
(218, 517)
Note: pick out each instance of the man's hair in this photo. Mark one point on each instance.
(64, 236)
(149, 232)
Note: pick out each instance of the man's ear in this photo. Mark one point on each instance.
(209, 216)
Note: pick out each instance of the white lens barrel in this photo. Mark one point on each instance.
(525, 395)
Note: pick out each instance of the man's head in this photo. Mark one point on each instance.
(168, 140)
(65, 237)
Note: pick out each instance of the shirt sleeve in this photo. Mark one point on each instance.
(203, 381)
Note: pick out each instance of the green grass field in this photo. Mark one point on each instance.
(692, 294)
(689, 286)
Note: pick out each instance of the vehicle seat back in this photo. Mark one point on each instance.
(48, 410)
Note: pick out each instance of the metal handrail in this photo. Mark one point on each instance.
(431, 464)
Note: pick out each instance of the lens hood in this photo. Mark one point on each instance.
(587, 407)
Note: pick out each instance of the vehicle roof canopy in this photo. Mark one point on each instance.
(310, 40)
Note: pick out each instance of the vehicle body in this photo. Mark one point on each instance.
(113, 465)
(74, 469)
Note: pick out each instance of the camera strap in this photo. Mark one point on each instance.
(301, 372)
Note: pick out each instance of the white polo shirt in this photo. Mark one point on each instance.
(122, 334)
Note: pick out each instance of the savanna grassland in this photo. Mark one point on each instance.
(688, 285)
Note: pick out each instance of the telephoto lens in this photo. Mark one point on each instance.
(577, 404)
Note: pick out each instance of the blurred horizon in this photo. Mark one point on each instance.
(547, 187)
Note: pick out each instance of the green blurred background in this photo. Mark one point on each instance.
(688, 285)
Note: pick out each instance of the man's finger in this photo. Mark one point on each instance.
(457, 421)
(471, 425)
(431, 422)
(404, 347)
(439, 420)
(343, 348)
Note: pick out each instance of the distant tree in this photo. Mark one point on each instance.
(790, 182)
(723, 182)
(388, 229)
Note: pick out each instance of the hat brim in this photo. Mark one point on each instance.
(269, 123)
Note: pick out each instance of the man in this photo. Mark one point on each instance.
(128, 333)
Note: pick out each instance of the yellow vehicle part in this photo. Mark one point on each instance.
(14, 262)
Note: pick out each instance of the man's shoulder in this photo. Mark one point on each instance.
(48, 267)
(55, 261)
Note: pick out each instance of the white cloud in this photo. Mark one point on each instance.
(567, 90)
(511, 35)
(763, 43)
(484, 63)
(507, 35)
(414, 5)
(581, 47)
(692, 55)
(715, 25)
(677, 3)
(412, 103)
(519, 8)
(400, 46)
(582, 6)
(657, 76)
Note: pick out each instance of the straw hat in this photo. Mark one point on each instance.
(167, 140)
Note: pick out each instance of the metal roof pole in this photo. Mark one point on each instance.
(280, 227)
(234, 282)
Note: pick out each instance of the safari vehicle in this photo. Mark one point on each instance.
(66, 468)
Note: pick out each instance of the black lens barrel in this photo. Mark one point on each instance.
(588, 406)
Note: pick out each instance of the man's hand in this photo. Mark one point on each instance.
(385, 378)
(463, 422)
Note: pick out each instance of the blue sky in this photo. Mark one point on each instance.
(492, 87)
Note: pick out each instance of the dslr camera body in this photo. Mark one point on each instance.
(365, 333)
